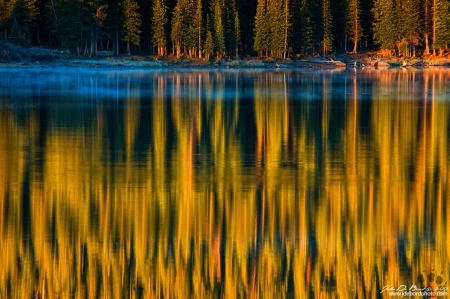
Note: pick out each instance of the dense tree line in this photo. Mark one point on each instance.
(218, 28)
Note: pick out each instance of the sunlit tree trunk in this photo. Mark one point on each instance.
(426, 28)
(434, 26)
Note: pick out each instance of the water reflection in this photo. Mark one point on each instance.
(237, 184)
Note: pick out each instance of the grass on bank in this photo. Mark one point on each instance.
(10, 53)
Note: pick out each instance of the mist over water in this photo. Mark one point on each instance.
(223, 184)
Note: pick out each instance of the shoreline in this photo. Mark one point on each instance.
(343, 61)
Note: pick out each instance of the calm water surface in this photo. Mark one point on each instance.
(223, 184)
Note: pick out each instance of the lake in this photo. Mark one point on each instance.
(122, 183)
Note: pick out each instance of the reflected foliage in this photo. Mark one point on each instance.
(234, 184)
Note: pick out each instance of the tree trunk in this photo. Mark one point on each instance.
(425, 31)
(178, 50)
(434, 27)
(96, 41)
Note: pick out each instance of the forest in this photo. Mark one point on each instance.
(230, 28)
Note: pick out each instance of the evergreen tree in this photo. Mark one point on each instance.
(327, 23)
(219, 40)
(194, 33)
(198, 23)
(209, 45)
(426, 17)
(237, 32)
(408, 25)
(230, 25)
(93, 15)
(6, 12)
(442, 26)
(287, 26)
(261, 31)
(131, 23)
(275, 13)
(159, 21)
(26, 11)
(26, 36)
(177, 30)
(385, 27)
(15, 36)
(181, 22)
(354, 23)
(68, 24)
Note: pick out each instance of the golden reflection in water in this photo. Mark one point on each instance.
(179, 201)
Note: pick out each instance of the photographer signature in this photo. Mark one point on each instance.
(413, 288)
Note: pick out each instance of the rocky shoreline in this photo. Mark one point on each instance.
(107, 60)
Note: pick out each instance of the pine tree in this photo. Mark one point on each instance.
(26, 12)
(354, 23)
(426, 17)
(159, 21)
(219, 40)
(230, 25)
(6, 9)
(177, 30)
(15, 36)
(237, 32)
(131, 23)
(385, 27)
(261, 31)
(327, 23)
(275, 13)
(442, 26)
(408, 25)
(181, 22)
(198, 23)
(94, 14)
(287, 25)
(68, 24)
(194, 33)
(6, 12)
(26, 36)
(209, 45)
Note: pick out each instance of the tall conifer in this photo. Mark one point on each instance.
(327, 23)
(131, 23)
(68, 24)
(354, 27)
(442, 26)
(385, 27)
(261, 33)
(159, 20)
(219, 40)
